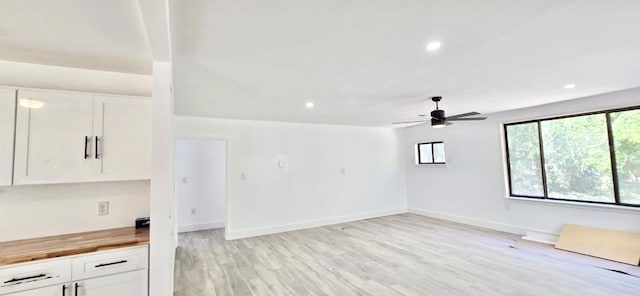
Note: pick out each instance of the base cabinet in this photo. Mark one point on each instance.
(118, 272)
(126, 284)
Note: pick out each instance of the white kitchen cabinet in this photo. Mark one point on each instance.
(122, 133)
(47, 291)
(7, 120)
(53, 137)
(65, 137)
(124, 284)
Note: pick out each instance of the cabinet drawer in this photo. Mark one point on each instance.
(35, 275)
(110, 262)
(132, 283)
(48, 291)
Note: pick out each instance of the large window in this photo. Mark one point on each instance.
(592, 157)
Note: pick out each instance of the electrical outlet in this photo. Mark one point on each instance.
(193, 211)
(343, 171)
(103, 208)
(184, 180)
(243, 176)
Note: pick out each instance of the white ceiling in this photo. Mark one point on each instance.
(91, 34)
(363, 62)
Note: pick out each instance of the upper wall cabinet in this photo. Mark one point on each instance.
(7, 120)
(64, 137)
(122, 135)
(53, 137)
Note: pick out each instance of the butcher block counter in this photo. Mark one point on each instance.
(28, 250)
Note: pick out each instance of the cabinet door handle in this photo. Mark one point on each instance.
(76, 289)
(86, 144)
(97, 143)
(13, 280)
(111, 263)
(64, 290)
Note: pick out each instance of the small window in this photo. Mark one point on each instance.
(430, 153)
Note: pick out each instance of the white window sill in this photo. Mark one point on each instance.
(432, 165)
(573, 204)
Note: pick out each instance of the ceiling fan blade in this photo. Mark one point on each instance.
(463, 115)
(415, 121)
(470, 118)
(448, 123)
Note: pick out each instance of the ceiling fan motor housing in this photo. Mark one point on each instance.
(438, 114)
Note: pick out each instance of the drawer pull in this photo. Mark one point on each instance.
(111, 263)
(13, 280)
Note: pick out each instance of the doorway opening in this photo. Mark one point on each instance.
(200, 172)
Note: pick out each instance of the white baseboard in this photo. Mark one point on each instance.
(528, 234)
(200, 226)
(470, 221)
(541, 237)
(231, 235)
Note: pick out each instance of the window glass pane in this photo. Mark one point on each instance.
(577, 159)
(524, 159)
(425, 153)
(625, 127)
(438, 152)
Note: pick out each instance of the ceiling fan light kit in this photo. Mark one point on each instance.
(437, 123)
(438, 118)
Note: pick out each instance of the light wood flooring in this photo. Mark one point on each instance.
(396, 255)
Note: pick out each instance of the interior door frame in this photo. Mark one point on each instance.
(226, 179)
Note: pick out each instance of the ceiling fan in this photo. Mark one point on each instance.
(438, 119)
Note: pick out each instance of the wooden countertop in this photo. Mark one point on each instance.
(71, 244)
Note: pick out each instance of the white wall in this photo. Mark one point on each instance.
(310, 189)
(41, 210)
(472, 188)
(200, 184)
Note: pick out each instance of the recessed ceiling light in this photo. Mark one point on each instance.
(309, 105)
(570, 86)
(433, 46)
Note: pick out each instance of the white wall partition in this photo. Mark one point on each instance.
(286, 176)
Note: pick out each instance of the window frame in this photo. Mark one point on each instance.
(433, 157)
(612, 156)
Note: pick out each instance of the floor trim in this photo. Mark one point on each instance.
(200, 226)
(528, 234)
(231, 235)
(469, 221)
